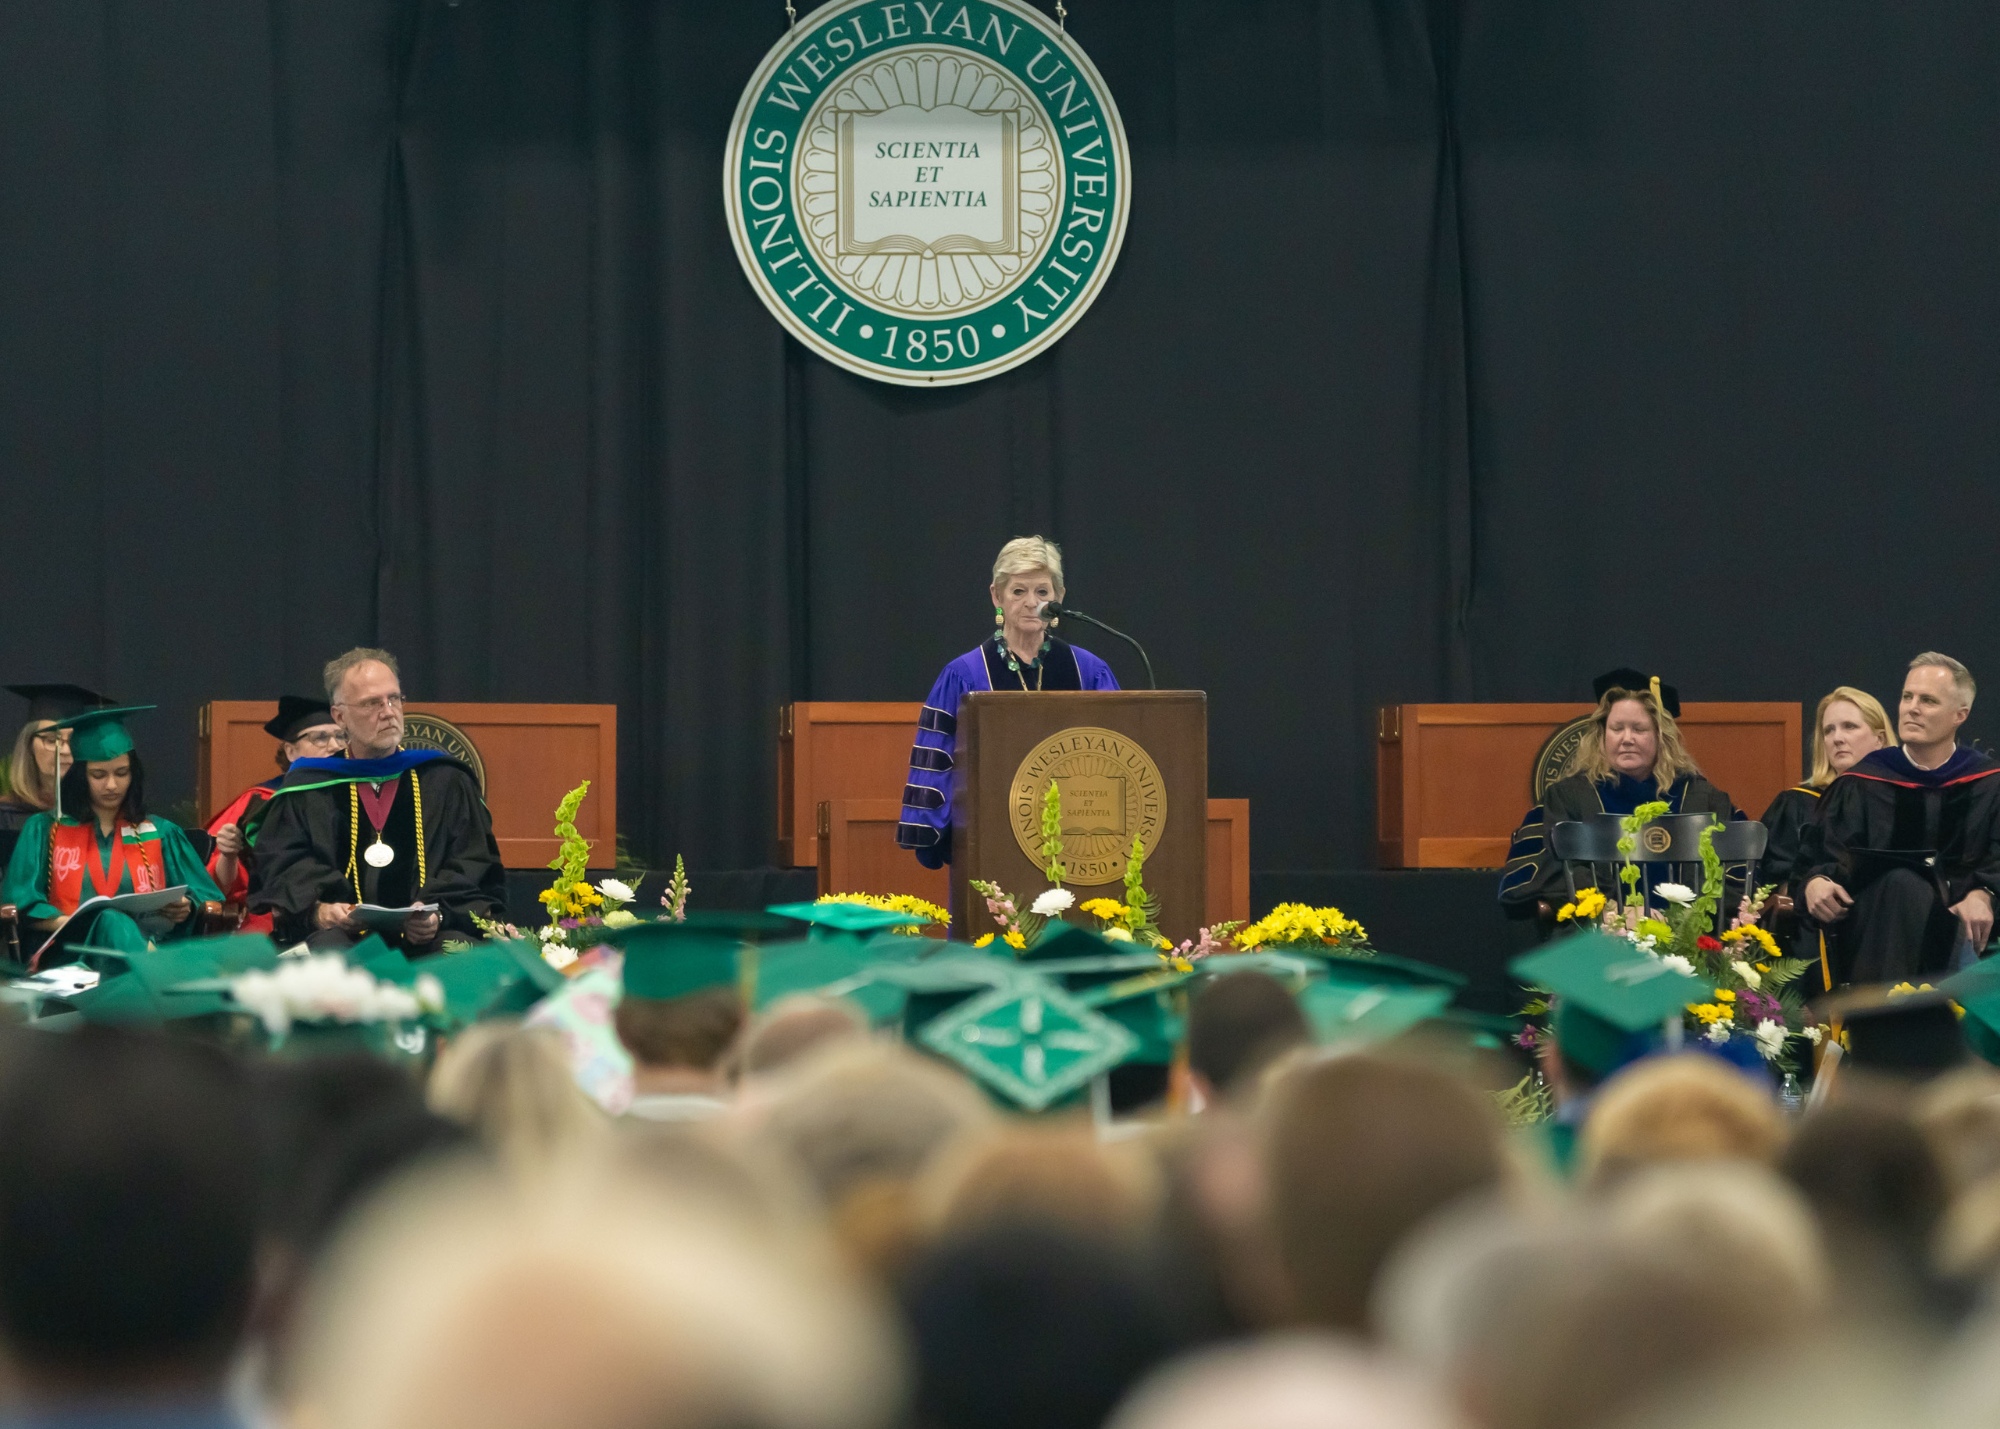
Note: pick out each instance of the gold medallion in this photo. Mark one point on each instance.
(1111, 792)
(1554, 755)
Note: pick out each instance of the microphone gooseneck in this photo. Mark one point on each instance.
(1054, 609)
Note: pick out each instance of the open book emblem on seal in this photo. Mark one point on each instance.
(1111, 793)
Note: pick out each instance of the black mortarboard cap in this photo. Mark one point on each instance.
(297, 714)
(1911, 1034)
(1627, 678)
(59, 701)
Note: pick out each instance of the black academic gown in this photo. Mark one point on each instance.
(1533, 871)
(1907, 844)
(1786, 822)
(304, 847)
(14, 817)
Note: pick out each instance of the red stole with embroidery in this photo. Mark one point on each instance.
(76, 871)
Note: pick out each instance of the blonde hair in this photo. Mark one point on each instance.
(24, 772)
(1872, 714)
(511, 1086)
(1681, 1108)
(1961, 678)
(1024, 554)
(1670, 760)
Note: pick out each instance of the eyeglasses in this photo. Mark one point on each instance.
(51, 738)
(381, 704)
(325, 738)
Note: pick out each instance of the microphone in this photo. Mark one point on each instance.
(1052, 610)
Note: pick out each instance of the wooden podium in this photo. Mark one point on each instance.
(1452, 781)
(1128, 763)
(532, 755)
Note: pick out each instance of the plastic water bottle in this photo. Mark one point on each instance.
(1790, 1097)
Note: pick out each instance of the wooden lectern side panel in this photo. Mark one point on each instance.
(837, 750)
(1750, 751)
(1228, 861)
(858, 853)
(534, 754)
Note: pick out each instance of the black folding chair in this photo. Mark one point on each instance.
(1667, 850)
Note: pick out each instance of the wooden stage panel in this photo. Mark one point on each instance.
(859, 854)
(533, 753)
(1454, 780)
(838, 750)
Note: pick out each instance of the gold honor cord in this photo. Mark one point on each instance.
(354, 835)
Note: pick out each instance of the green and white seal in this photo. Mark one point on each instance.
(927, 191)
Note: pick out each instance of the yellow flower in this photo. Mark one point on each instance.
(1589, 903)
(1296, 923)
(1109, 909)
(1723, 994)
(1712, 1012)
(982, 942)
(896, 903)
(1753, 934)
(1566, 912)
(1015, 940)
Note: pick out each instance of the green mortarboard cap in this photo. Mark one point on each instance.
(1344, 1013)
(1608, 994)
(1295, 972)
(666, 959)
(54, 702)
(846, 918)
(1144, 1005)
(181, 980)
(1977, 990)
(1029, 1041)
(1071, 940)
(1386, 968)
(100, 734)
(1908, 1033)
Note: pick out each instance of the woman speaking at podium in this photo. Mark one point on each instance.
(1022, 654)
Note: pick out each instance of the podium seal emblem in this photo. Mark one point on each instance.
(927, 193)
(1111, 792)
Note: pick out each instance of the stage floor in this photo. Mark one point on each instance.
(1448, 917)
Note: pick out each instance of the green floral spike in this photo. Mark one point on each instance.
(1052, 839)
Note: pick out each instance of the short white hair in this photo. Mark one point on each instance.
(1024, 554)
(1961, 678)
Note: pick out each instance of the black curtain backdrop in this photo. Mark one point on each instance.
(1459, 349)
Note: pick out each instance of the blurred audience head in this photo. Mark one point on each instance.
(861, 1122)
(1021, 1324)
(692, 1033)
(795, 1027)
(1688, 1107)
(1053, 1173)
(1298, 1381)
(1880, 1195)
(1357, 1151)
(128, 1214)
(1237, 1025)
(471, 1303)
(511, 1086)
(1740, 1221)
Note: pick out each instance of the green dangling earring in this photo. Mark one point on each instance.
(998, 618)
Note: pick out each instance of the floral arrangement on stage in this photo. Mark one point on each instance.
(1295, 927)
(675, 899)
(1753, 996)
(576, 906)
(896, 903)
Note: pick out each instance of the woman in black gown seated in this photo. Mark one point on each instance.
(1631, 753)
(1848, 724)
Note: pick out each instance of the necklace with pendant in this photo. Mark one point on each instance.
(1014, 661)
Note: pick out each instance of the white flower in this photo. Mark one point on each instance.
(1647, 944)
(614, 891)
(558, 956)
(1813, 1033)
(1751, 978)
(1678, 963)
(548, 932)
(1674, 893)
(1718, 1032)
(429, 993)
(1118, 935)
(1056, 900)
(1770, 1038)
(321, 988)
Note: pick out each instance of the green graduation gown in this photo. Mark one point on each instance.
(27, 887)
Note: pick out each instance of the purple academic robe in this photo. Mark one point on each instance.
(925, 827)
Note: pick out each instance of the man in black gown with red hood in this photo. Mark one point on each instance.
(1902, 867)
